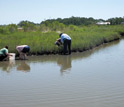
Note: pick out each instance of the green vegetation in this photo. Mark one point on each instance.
(41, 37)
(42, 42)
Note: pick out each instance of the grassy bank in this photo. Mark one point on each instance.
(83, 38)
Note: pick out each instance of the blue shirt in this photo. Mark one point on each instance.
(65, 36)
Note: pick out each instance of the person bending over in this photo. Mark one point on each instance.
(22, 50)
(4, 55)
(66, 41)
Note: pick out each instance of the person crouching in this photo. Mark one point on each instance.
(4, 55)
(22, 50)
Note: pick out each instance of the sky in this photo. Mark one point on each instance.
(15, 11)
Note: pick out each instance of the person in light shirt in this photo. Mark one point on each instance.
(4, 53)
(22, 50)
(66, 41)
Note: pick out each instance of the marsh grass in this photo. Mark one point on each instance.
(83, 38)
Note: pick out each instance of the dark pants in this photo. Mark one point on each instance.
(26, 49)
(67, 43)
(2, 57)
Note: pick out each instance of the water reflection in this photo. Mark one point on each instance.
(65, 63)
(7, 65)
(100, 84)
(23, 66)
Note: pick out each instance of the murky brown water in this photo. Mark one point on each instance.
(90, 79)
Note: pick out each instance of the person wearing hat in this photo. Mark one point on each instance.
(4, 53)
(22, 50)
(66, 41)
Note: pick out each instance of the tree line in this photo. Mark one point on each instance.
(84, 21)
(56, 24)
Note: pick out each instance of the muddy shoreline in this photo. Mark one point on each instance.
(74, 50)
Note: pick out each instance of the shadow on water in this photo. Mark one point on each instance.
(63, 61)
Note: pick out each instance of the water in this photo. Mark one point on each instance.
(89, 79)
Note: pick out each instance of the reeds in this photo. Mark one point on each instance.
(83, 38)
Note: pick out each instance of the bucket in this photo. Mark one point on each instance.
(12, 56)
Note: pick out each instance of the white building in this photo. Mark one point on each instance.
(103, 23)
(20, 28)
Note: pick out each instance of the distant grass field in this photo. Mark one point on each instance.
(83, 38)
